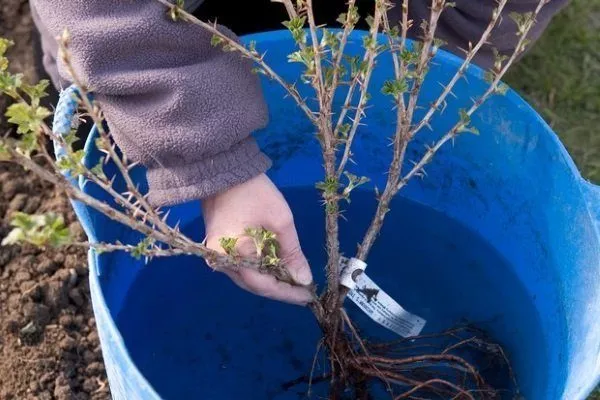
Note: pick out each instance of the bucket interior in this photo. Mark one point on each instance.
(187, 328)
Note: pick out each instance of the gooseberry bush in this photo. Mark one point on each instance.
(355, 363)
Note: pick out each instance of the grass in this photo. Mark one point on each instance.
(560, 77)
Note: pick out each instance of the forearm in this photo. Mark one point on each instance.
(172, 101)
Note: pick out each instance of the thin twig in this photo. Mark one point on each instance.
(96, 116)
(319, 81)
(496, 15)
(337, 61)
(215, 260)
(364, 87)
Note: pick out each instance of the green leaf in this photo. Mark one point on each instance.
(350, 18)
(465, 118)
(71, 138)
(296, 57)
(524, 45)
(304, 56)
(252, 46)
(143, 248)
(175, 11)
(502, 88)
(489, 76)
(363, 66)
(297, 22)
(36, 92)
(369, 42)
(270, 258)
(498, 59)
(28, 144)
(259, 70)
(5, 44)
(465, 123)
(331, 39)
(344, 130)
(296, 28)
(216, 40)
(410, 57)
(101, 144)
(265, 242)
(394, 32)
(354, 62)
(228, 244)
(329, 187)
(10, 83)
(28, 118)
(353, 182)
(72, 163)
(439, 43)
(394, 87)
(98, 170)
(353, 15)
(40, 230)
(522, 20)
(328, 71)
(471, 129)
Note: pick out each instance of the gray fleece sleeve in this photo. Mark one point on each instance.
(173, 102)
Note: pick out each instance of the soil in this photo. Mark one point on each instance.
(49, 347)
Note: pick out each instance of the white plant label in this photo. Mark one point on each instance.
(376, 303)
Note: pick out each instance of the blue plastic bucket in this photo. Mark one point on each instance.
(503, 232)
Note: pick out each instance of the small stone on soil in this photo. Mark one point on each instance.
(68, 343)
(95, 368)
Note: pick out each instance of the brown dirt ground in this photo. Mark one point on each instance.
(49, 347)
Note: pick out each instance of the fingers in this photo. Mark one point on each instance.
(268, 286)
(289, 251)
(292, 256)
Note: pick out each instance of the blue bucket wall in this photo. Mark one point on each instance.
(503, 219)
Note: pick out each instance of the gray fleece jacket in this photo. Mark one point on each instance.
(186, 110)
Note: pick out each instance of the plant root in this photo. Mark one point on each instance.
(423, 367)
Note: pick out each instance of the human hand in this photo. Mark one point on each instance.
(258, 203)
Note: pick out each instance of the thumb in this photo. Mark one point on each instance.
(292, 256)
